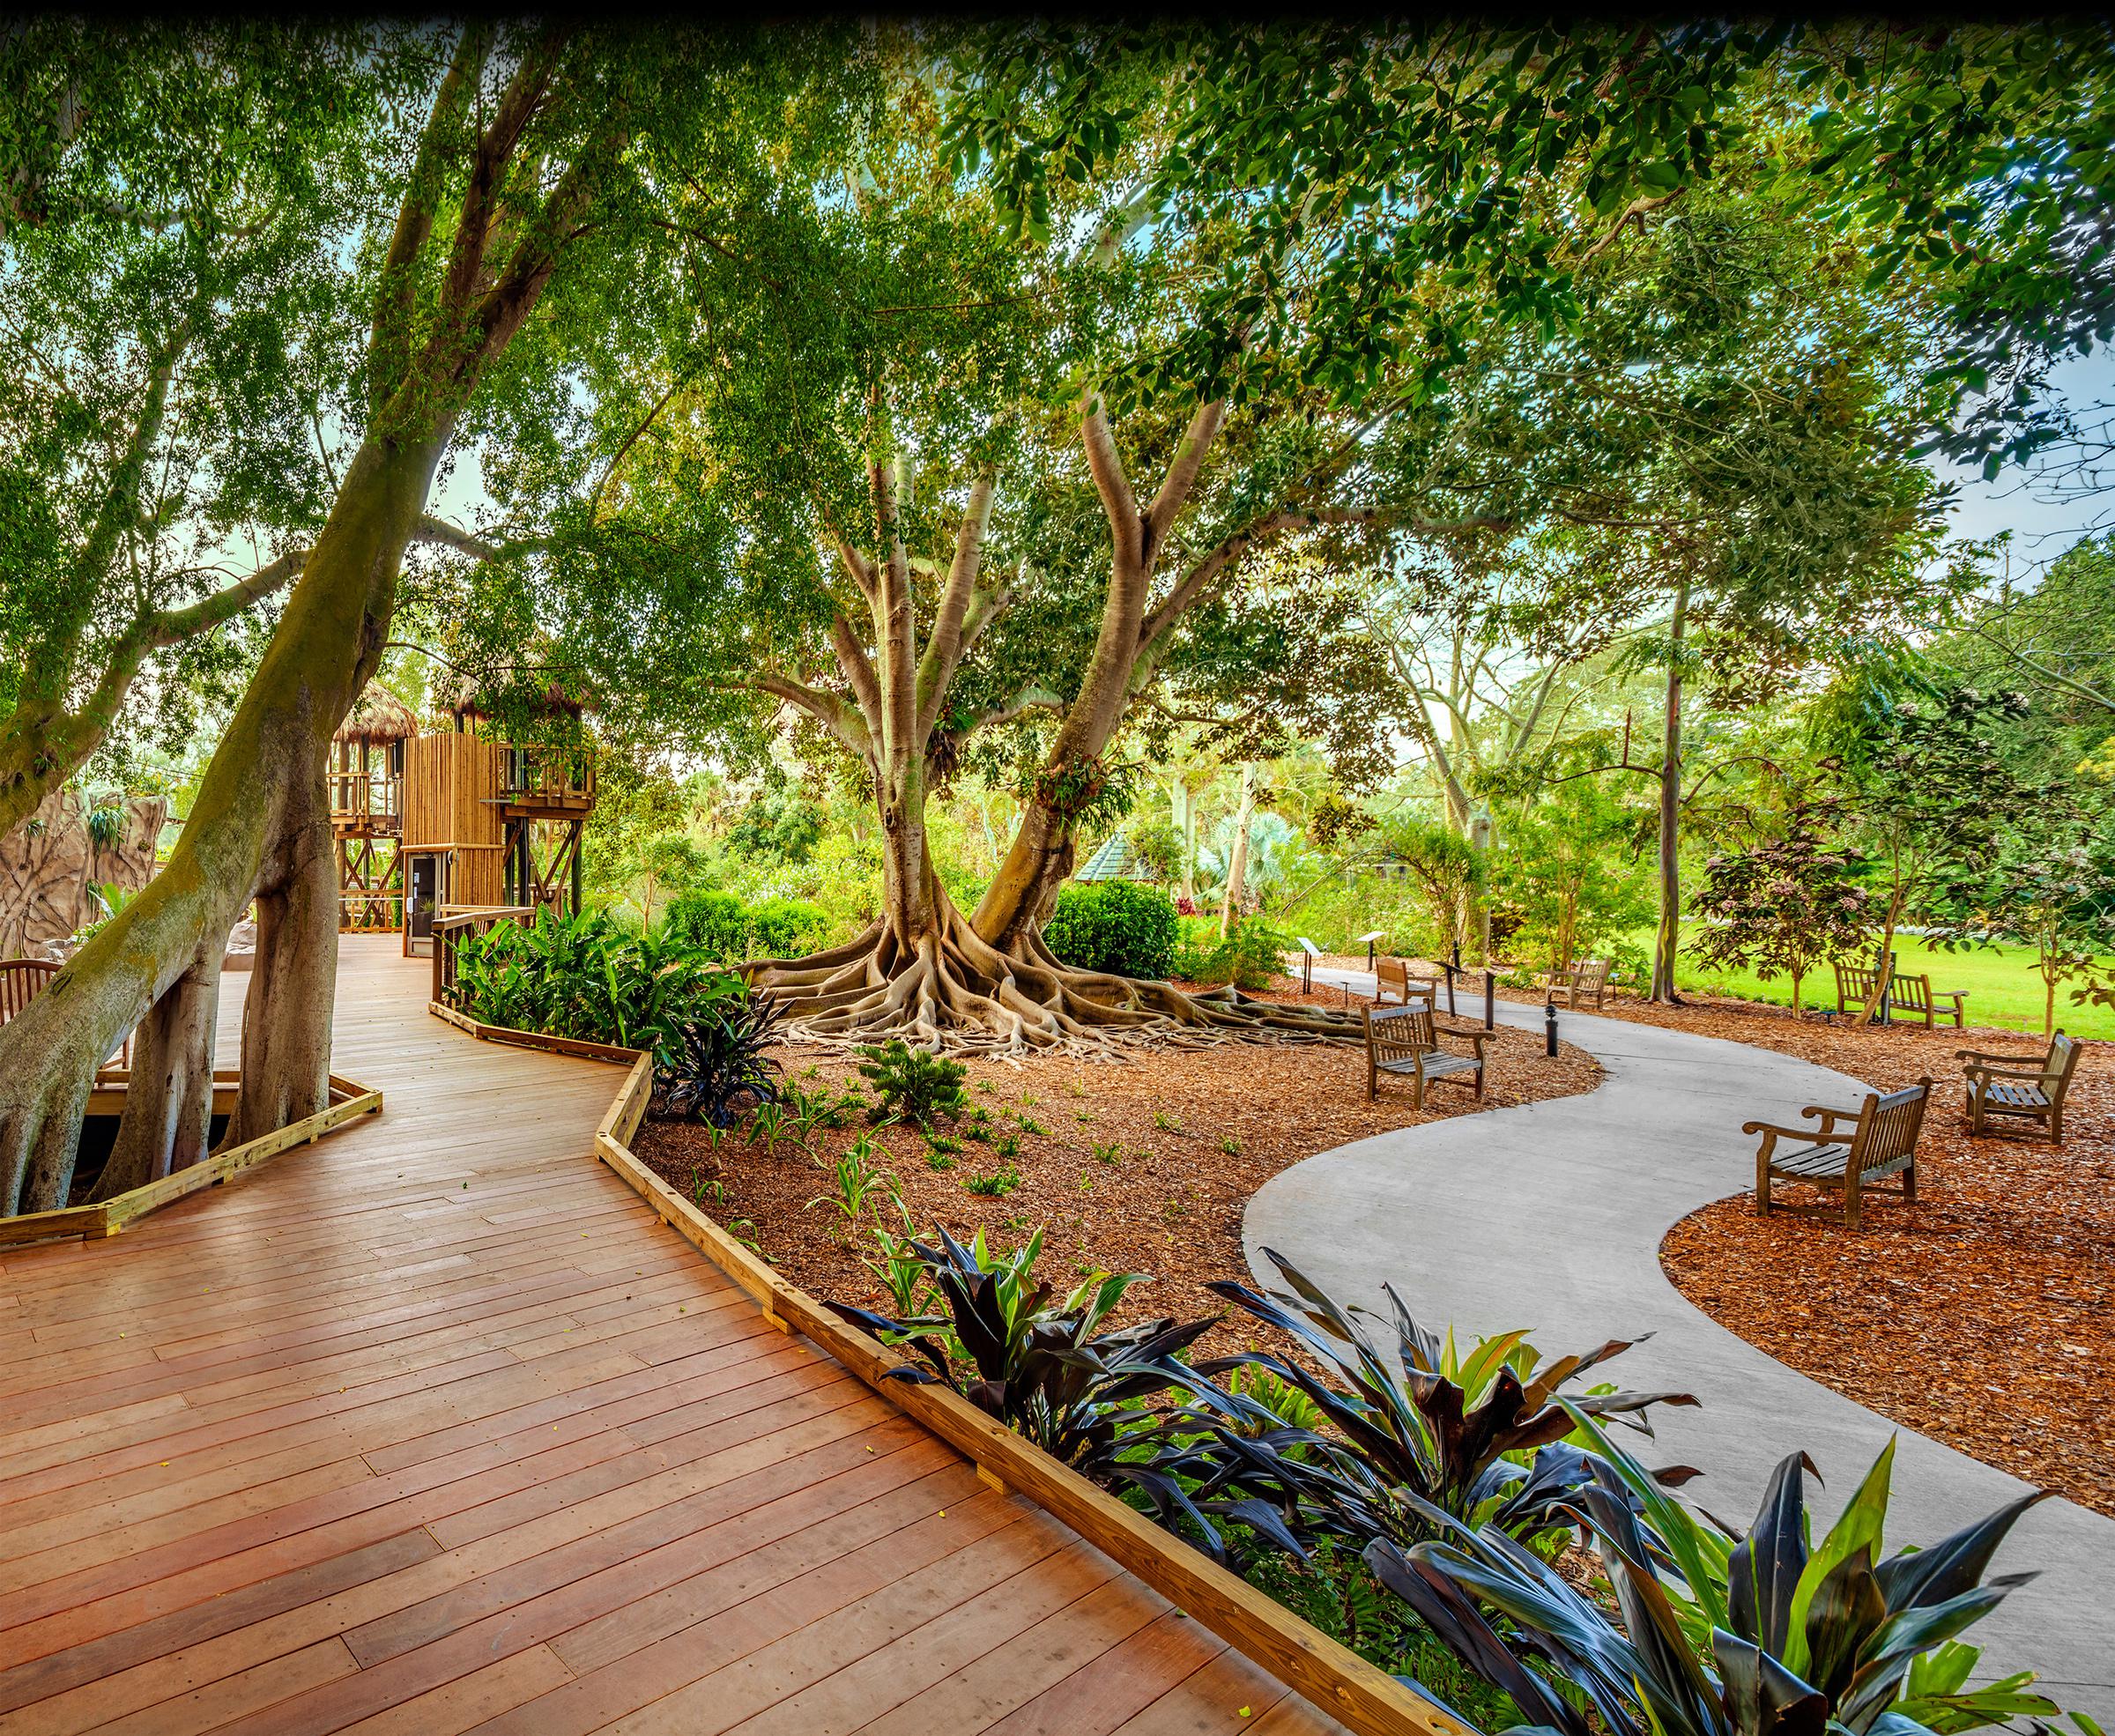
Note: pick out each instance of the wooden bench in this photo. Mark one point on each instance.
(1405, 1040)
(2033, 1090)
(1847, 1151)
(20, 979)
(1912, 994)
(1394, 975)
(1588, 976)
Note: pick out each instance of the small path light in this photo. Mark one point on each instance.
(1549, 1026)
(1490, 1000)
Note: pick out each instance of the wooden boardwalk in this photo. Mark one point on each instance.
(435, 1427)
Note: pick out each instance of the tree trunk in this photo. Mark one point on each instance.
(1186, 832)
(1238, 856)
(253, 825)
(293, 978)
(1668, 941)
(169, 1106)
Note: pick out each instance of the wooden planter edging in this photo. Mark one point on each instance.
(506, 1034)
(1330, 1675)
(349, 1100)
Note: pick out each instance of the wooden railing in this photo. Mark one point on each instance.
(370, 912)
(541, 774)
(371, 799)
(452, 924)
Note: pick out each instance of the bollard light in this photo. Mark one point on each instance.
(1549, 1026)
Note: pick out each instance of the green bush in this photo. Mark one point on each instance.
(590, 977)
(713, 923)
(785, 928)
(1248, 957)
(1117, 926)
(718, 925)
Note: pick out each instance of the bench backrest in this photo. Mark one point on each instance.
(1392, 976)
(1401, 1030)
(1888, 1127)
(1591, 973)
(19, 980)
(1912, 993)
(1857, 982)
(2057, 1067)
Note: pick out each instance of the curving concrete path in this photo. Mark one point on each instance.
(1550, 1215)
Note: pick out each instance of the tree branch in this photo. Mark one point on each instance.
(944, 646)
(1175, 486)
(1107, 469)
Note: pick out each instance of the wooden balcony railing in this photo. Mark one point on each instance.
(556, 774)
(373, 801)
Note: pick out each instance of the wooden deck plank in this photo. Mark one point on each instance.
(436, 1427)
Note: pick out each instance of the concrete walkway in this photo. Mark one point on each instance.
(1550, 1215)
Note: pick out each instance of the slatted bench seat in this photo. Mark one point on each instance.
(2020, 1085)
(1847, 1151)
(1405, 1041)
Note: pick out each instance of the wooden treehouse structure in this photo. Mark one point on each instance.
(493, 808)
(367, 810)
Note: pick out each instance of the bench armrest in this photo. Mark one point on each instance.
(2034, 1074)
(1475, 1039)
(1981, 1055)
(1776, 1131)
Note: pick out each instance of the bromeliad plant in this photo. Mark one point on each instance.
(1450, 1433)
(1761, 1636)
(718, 1067)
(1042, 1365)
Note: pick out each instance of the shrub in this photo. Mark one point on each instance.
(714, 924)
(1042, 1366)
(1117, 926)
(785, 928)
(588, 977)
(718, 925)
(1248, 957)
(913, 1085)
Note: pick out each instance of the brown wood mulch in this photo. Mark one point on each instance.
(1140, 1166)
(1986, 1317)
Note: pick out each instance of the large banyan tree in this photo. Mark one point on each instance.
(500, 169)
(1066, 393)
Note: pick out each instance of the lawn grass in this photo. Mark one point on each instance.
(2004, 988)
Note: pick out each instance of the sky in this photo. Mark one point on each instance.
(2043, 524)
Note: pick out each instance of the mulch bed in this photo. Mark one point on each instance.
(1168, 1201)
(1987, 1317)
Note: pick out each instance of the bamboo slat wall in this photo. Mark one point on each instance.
(450, 787)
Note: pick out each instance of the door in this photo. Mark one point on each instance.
(421, 893)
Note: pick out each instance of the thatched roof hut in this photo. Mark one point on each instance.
(377, 716)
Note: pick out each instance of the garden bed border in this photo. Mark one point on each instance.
(349, 1101)
(1330, 1675)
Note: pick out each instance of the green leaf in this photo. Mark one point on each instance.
(1859, 1526)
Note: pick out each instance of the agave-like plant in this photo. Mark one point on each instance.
(1042, 1363)
(1443, 1435)
(1796, 1641)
